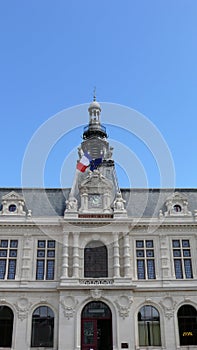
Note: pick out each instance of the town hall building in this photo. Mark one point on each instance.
(96, 267)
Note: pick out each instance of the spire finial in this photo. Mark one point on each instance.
(94, 94)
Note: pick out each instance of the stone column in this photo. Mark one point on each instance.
(116, 266)
(65, 255)
(127, 258)
(76, 254)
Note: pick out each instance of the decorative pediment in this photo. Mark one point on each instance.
(13, 204)
(12, 196)
(177, 205)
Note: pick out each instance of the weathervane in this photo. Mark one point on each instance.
(94, 94)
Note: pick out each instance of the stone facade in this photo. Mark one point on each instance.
(111, 269)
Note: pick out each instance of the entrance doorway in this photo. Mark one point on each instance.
(96, 327)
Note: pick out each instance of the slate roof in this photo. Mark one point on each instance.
(139, 202)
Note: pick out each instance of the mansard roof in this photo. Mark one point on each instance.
(139, 202)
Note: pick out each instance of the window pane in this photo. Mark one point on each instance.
(13, 253)
(13, 243)
(176, 243)
(178, 268)
(2, 268)
(50, 269)
(140, 253)
(40, 270)
(139, 244)
(4, 243)
(150, 253)
(41, 253)
(186, 252)
(88, 332)
(3, 253)
(185, 243)
(11, 269)
(188, 268)
(41, 244)
(149, 244)
(151, 268)
(50, 253)
(51, 244)
(140, 269)
(177, 253)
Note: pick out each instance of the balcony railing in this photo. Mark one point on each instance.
(96, 281)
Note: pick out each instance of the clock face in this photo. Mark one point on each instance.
(95, 201)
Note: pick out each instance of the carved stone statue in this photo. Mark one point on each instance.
(119, 203)
(71, 204)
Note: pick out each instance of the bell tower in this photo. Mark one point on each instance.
(95, 189)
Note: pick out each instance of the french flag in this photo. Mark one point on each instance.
(84, 162)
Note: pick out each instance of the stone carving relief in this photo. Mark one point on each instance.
(71, 207)
(124, 303)
(119, 205)
(3, 301)
(95, 192)
(177, 205)
(168, 305)
(22, 306)
(69, 304)
(13, 205)
(96, 294)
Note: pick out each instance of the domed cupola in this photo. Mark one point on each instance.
(94, 128)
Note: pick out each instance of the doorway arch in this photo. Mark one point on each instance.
(96, 326)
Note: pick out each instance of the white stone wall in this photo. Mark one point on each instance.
(67, 296)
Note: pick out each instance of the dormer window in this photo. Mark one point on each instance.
(13, 204)
(176, 205)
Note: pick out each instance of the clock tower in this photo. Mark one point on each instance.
(95, 190)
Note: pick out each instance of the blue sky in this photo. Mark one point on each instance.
(138, 53)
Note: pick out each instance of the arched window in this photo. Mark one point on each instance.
(6, 326)
(95, 260)
(42, 327)
(187, 320)
(149, 326)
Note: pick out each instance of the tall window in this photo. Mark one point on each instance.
(42, 327)
(145, 259)
(187, 320)
(95, 260)
(8, 258)
(6, 326)
(149, 326)
(45, 264)
(182, 258)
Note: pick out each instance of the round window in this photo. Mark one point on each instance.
(177, 208)
(12, 208)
